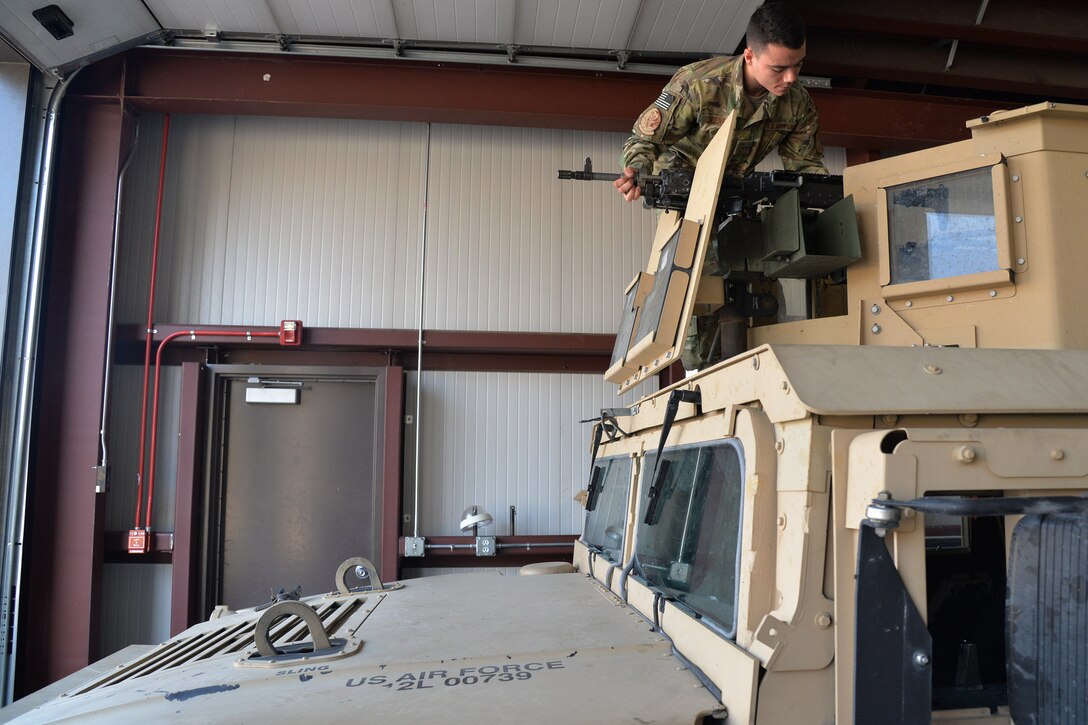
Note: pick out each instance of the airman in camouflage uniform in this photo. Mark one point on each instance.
(673, 132)
(773, 112)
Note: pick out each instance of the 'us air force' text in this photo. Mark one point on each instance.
(456, 678)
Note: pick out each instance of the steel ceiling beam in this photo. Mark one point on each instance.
(931, 20)
(195, 82)
(1039, 75)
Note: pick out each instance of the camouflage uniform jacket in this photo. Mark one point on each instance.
(673, 132)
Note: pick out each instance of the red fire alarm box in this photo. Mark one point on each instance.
(291, 332)
(139, 541)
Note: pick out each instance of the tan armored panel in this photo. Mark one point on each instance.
(973, 244)
(676, 263)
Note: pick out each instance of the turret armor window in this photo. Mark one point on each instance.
(942, 227)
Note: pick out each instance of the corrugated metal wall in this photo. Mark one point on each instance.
(320, 220)
(316, 219)
(280, 218)
(510, 247)
(267, 219)
(134, 608)
(123, 445)
(504, 439)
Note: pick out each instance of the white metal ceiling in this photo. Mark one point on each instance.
(100, 26)
(712, 26)
(683, 26)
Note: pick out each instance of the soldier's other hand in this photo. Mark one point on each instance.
(627, 186)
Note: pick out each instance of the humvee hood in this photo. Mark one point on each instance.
(553, 648)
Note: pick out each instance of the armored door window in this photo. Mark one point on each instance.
(606, 515)
(689, 529)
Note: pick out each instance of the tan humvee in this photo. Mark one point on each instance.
(870, 516)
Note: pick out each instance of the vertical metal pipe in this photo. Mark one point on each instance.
(150, 330)
(419, 340)
(103, 460)
(11, 584)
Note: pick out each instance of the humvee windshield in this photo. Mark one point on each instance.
(690, 552)
(607, 521)
(942, 227)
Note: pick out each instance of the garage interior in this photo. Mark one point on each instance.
(304, 285)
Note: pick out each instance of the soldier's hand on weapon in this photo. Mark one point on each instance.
(627, 185)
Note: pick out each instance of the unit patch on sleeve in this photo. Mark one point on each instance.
(649, 121)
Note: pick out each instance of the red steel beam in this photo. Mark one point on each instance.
(162, 80)
(536, 352)
(1013, 27)
(497, 363)
(371, 339)
(464, 361)
(66, 519)
(875, 120)
(1039, 75)
(184, 602)
(221, 83)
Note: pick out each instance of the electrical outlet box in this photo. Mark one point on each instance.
(101, 479)
(414, 546)
(485, 546)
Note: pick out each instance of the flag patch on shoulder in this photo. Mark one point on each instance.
(665, 100)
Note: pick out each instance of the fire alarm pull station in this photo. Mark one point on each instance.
(291, 332)
(139, 541)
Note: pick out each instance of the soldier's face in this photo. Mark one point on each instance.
(774, 69)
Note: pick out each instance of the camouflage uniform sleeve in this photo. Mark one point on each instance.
(667, 120)
(802, 150)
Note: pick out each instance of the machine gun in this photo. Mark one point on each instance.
(670, 189)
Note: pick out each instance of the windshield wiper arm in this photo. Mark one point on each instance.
(656, 489)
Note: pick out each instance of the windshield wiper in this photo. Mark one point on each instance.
(595, 485)
(656, 489)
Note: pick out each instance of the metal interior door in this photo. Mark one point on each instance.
(298, 488)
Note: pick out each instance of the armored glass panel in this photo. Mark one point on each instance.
(606, 523)
(691, 551)
(626, 326)
(942, 227)
(655, 301)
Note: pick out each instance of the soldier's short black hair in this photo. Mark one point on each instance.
(775, 22)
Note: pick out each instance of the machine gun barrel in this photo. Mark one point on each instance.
(670, 189)
(588, 174)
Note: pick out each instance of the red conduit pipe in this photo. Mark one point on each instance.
(150, 323)
(155, 401)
